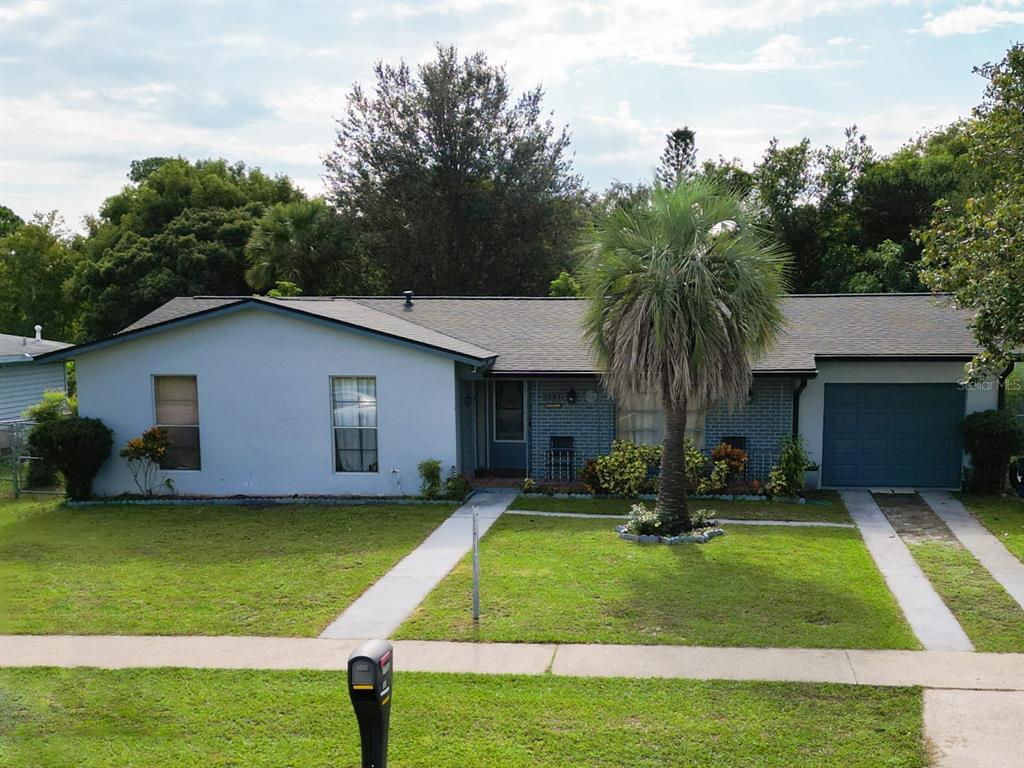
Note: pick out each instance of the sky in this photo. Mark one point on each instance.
(85, 88)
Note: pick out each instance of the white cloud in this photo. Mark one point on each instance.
(838, 41)
(972, 19)
(27, 10)
(779, 53)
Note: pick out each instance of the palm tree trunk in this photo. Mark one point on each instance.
(672, 494)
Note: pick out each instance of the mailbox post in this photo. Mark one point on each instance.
(370, 670)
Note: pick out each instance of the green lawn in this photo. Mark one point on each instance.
(573, 580)
(195, 570)
(1004, 517)
(182, 718)
(834, 512)
(989, 616)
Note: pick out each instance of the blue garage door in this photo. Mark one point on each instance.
(895, 435)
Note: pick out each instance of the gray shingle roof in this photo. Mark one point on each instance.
(338, 309)
(540, 335)
(15, 348)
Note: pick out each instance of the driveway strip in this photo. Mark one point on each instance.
(929, 617)
(1004, 567)
(932, 669)
(382, 608)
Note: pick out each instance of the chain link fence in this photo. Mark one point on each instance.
(22, 473)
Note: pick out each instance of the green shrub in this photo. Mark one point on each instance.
(696, 464)
(54, 405)
(430, 478)
(787, 476)
(456, 486)
(75, 446)
(717, 480)
(991, 438)
(626, 471)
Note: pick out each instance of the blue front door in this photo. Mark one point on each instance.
(507, 425)
(892, 435)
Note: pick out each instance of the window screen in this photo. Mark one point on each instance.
(354, 400)
(177, 411)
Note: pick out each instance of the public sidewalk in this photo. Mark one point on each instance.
(930, 669)
(932, 621)
(381, 609)
(1004, 567)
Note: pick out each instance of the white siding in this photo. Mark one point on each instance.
(23, 384)
(812, 399)
(265, 404)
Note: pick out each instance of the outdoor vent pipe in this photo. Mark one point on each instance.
(39, 333)
(408, 298)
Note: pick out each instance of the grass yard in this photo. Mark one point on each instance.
(549, 579)
(218, 570)
(989, 616)
(92, 718)
(835, 512)
(1004, 517)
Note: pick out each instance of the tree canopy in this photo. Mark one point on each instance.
(180, 229)
(454, 185)
(974, 247)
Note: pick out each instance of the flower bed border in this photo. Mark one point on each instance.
(684, 538)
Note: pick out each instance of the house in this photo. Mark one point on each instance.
(342, 395)
(22, 383)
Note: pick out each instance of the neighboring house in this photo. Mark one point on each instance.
(347, 395)
(23, 383)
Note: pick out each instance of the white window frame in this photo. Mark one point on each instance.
(199, 430)
(494, 408)
(335, 428)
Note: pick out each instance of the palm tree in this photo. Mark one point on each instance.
(684, 292)
(303, 242)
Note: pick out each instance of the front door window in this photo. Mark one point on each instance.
(509, 412)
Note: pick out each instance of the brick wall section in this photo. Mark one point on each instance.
(592, 425)
(765, 420)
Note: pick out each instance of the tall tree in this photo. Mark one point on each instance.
(684, 291)
(9, 221)
(308, 244)
(976, 250)
(180, 230)
(36, 260)
(679, 158)
(454, 186)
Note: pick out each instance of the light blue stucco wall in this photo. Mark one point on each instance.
(265, 404)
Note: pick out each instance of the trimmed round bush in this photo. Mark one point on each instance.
(77, 447)
(992, 438)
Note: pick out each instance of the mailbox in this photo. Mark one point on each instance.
(369, 686)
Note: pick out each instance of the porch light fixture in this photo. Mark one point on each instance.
(570, 396)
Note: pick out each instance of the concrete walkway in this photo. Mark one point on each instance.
(932, 622)
(380, 610)
(721, 520)
(975, 729)
(1004, 567)
(930, 669)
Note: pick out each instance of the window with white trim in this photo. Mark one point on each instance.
(354, 405)
(643, 422)
(177, 411)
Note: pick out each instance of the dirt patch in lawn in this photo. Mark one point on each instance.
(913, 520)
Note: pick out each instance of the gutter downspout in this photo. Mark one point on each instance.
(796, 405)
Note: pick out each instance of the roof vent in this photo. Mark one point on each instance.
(39, 333)
(408, 298)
